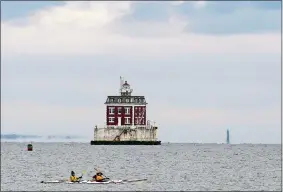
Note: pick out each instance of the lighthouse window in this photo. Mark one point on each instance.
(127, 100)
(127, 120)
(119, 100)
(127, 110)
(111, 120)
(136, 121)
(119, 110)
(111, 110)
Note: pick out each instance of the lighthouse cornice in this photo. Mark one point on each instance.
(124, 104)
(139, 100)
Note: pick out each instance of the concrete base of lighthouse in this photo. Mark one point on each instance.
(125, 136)
(125, 142)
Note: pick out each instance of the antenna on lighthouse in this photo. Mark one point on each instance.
(121, 83)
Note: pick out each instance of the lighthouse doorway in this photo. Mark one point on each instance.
(119, 121)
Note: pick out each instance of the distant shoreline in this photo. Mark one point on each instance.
(24, 138)
(163, 144)
(48, 137)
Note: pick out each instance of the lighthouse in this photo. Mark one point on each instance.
(125, 109)
(126, 120)
(227, 137)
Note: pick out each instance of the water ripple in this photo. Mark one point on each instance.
(172, 167)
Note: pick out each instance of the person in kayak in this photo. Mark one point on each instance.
(98, 177)
(73, 177)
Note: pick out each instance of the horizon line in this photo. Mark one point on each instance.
(162, 143)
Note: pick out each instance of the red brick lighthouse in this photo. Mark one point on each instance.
(126, 121)
(125, 109)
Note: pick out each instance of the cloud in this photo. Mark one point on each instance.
(177, 2)
(97, 28)
(199, 4)
(60, 63)
(17, 9)
(196, 4)
(231, 17)
(247, 20)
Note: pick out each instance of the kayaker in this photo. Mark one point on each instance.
(98, 177)
(73, 177)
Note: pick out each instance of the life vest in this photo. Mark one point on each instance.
(73, 178)
(98, 178)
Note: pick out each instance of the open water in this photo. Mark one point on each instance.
(167, 167)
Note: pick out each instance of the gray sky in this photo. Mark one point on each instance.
(202, 66)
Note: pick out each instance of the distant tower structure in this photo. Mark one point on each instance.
(227, 137)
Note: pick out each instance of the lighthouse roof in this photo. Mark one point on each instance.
(138, 100)
(126, 83)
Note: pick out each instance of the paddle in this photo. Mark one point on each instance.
(83, 172)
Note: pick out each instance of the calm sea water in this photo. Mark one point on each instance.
(167, 167)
